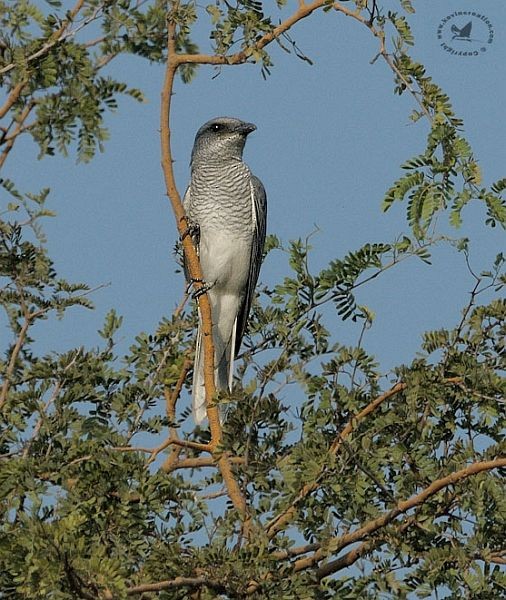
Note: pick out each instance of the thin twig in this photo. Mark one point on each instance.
(15, 93)
(171, 398)
(60, 35)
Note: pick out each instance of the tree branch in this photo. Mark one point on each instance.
(170, 409)
(242, 56)
(285, 517)
(12, 362)
(20, 128)
(53, 39)
(192, 260)
(195, 272)
(178, 582)
(498, 558)
(198, 463)
(12, 98)
(340, 542)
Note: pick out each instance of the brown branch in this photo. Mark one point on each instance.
(295, 551)
(194, 445)
(346, 560)
(166, 444)
(171, 398)
(20, 128)
(353, 555)
(283, 518)
(12, 98)
(287, 515)
(198, 462)
(340, 542)
(178, 582)
(192, 260)
(195, 272)
(498, 558)
(242, 56)
(12, 362)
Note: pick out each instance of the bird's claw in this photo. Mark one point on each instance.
(192, 230)
(202, 290)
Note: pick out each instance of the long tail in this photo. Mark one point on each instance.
(223, 372)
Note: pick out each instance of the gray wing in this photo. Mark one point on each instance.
(259, 198)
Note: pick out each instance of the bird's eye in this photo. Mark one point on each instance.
(217, 127)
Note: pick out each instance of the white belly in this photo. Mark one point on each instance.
(224, 261)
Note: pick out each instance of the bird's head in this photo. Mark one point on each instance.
(221, 139)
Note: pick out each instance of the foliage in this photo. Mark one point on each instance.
(369, 484)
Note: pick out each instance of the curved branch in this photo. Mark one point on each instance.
(340, 542)
(242, 56)
(171, 398)
(182, 225)
(285, 517)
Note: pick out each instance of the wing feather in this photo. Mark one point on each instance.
(259, 208)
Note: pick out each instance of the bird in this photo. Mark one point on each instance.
(226, 210)
(463, 33)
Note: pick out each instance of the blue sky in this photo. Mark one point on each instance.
(330, 140)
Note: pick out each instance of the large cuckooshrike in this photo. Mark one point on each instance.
(227, 206)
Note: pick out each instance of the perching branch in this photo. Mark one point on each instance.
(195, 272)
(192, 260)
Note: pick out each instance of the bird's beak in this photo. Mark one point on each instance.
(246, 128)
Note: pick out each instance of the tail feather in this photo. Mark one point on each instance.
(223, 372)
(199, 392)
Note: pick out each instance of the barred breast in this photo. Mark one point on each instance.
(220, 199)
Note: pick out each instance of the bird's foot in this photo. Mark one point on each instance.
(192, 230)
(205, 287)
